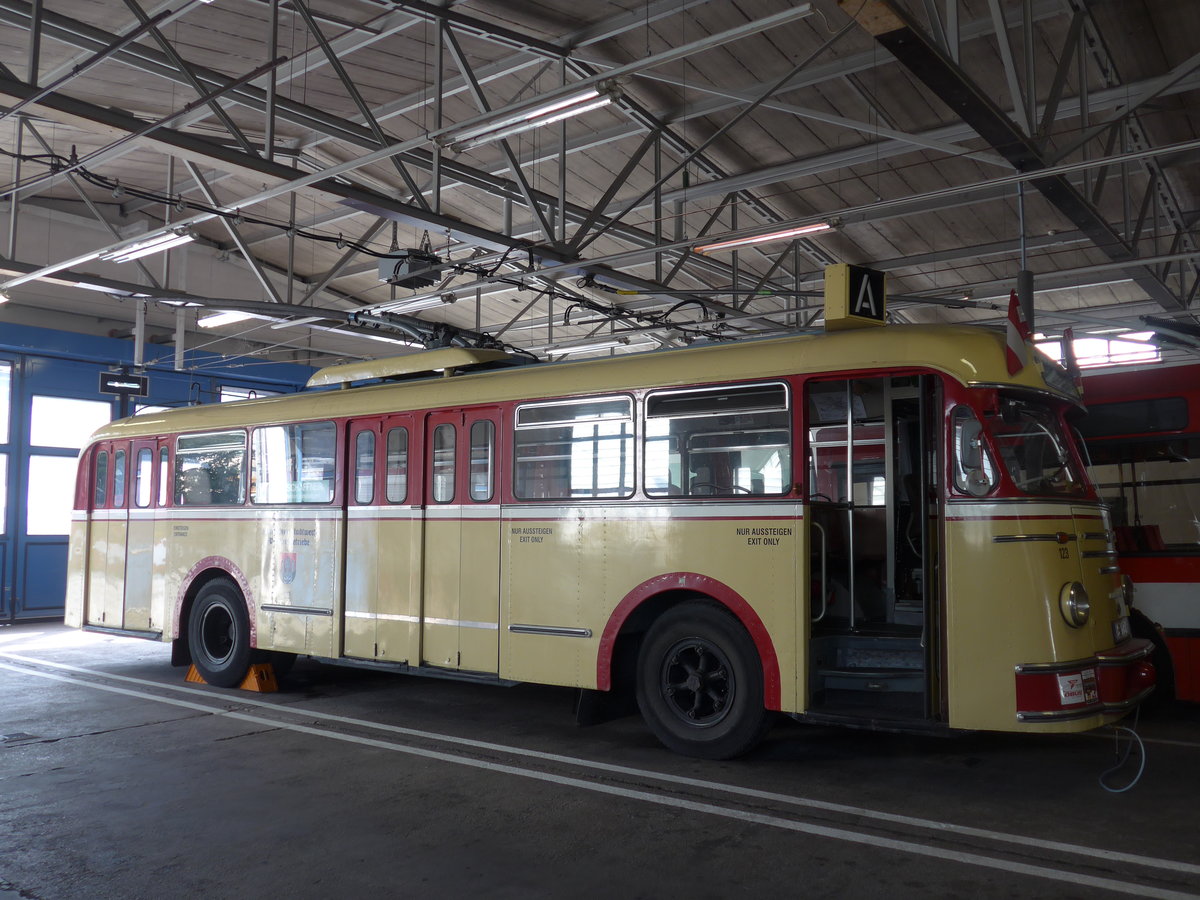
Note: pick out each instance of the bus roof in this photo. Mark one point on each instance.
(970, 355)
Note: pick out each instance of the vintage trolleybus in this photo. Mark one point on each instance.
(1143, 435)
(878, 528)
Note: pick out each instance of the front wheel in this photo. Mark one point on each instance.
(219, 634)
(700, 683)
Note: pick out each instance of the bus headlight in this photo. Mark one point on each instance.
(1074, 603)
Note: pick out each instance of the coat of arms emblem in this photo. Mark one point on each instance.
(287, 568)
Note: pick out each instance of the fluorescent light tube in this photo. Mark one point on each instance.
(228, 317)
(159, 242)
(544, 109)
(815, 228)
(588, 347)
(545, 114)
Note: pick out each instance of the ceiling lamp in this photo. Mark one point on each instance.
(159, 242)
(526, 120)
(590, 346)
(415, 303)
(228, 317)
(814, 228)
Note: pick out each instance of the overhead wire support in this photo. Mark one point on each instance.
(363, 110)
(771, 90)
(149, 127)
(91, 61)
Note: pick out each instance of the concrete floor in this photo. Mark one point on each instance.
(117, 779)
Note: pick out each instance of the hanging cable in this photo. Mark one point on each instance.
(1123, 757)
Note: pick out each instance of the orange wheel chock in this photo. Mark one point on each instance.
(260, 678)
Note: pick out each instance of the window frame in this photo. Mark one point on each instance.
(248, 466)
(435, 466)
(374, 457)
(176, 474)
(405, 455)
(631, 417)
(490, 447)
(786, 409)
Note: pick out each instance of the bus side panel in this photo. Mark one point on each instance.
(573, 571)
(162, 595)
(479, 589)
(547, 557)
(364, 535)
(298, 560)
(77, 578)
(139, 559)
(401, 573)
(106, 569)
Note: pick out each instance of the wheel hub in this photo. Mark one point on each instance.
(697, 682)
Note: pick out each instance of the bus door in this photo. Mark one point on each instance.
(109, 527)
(871, 514)
(461, 609)
(146, 475)
(384, 525)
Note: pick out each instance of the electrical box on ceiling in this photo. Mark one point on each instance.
(410, 268)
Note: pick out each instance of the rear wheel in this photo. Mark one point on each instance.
(219, 634)
(700, 683)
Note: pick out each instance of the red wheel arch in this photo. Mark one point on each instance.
(709, 587)
(204, 565)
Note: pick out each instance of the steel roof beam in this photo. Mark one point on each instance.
(914, 49)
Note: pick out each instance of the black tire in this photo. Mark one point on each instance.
(219, 634)
(700, 683)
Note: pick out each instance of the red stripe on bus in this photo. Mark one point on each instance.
(702, 584)
(1161, 569)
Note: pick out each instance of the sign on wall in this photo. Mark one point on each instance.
(130, 385)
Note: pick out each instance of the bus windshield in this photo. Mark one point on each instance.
(1035, 449)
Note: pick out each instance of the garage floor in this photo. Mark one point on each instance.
(118, 779)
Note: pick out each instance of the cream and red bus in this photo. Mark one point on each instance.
(1143, 435)
(877, 528)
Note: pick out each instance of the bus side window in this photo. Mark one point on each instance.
(118, 492)
(397, 465)
(443, 464)
(143, 478)
(482, 454)
(733, 440)
(364, 467)
(294, 463)
(164, 475)
(574, 449)
(100, 494)
(209, 469)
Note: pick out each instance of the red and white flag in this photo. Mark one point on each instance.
(1017, 351)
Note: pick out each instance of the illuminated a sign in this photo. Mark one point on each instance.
(130, 385)
(855, 297)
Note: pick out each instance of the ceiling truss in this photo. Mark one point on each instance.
(914, 127)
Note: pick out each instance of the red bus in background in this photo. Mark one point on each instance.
(1142, 432)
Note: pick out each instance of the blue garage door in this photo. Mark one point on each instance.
(47, 412)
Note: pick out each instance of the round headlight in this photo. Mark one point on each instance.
(1074, 603)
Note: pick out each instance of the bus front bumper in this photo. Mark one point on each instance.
(1110, 683)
